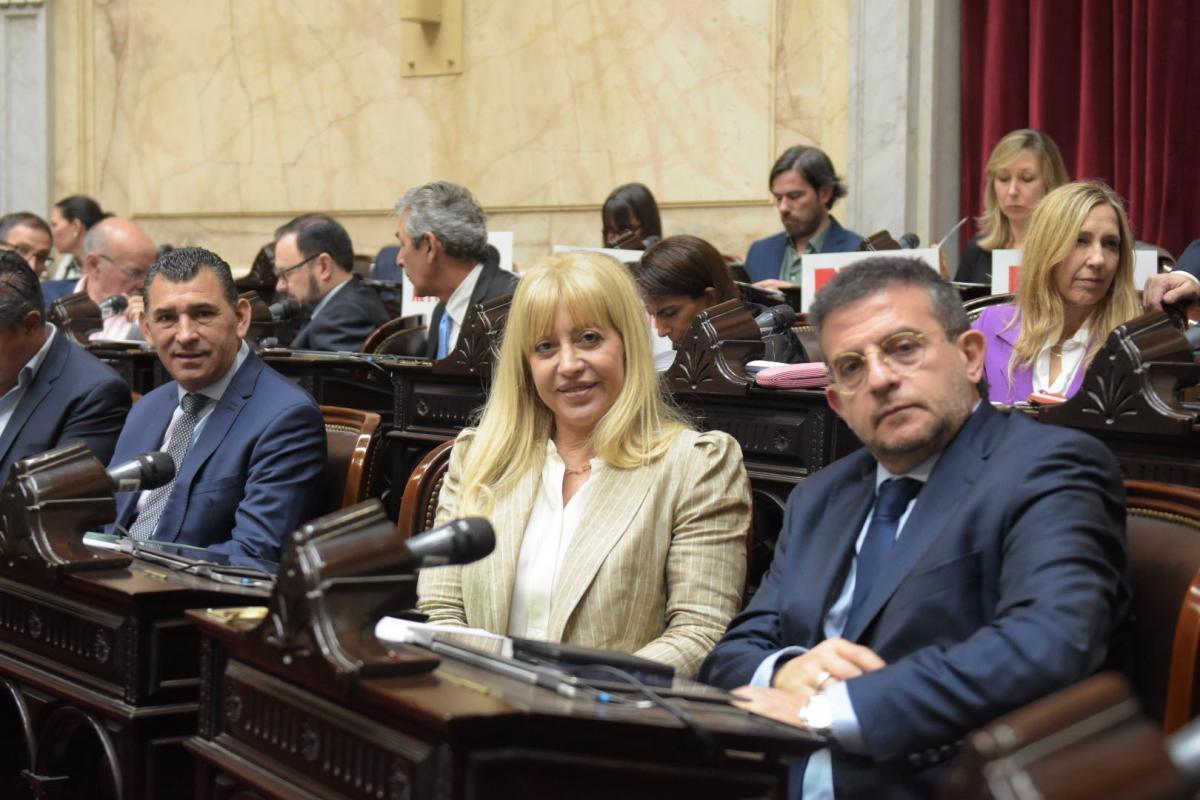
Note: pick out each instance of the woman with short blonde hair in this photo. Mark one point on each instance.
(617, 525)
(1023, 167)
(1076, 286)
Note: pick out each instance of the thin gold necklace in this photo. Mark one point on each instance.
(586, 468)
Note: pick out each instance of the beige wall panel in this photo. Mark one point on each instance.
(214, 122)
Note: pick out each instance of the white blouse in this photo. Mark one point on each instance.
(1073, 351)
(547, 536)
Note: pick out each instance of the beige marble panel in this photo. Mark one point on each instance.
(215, 122)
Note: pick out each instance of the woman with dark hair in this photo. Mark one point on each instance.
(678, 278)
(630, 217)
(70, 220)
(1024, 166)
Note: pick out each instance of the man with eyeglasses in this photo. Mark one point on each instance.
(966, 562)
(117, 256)
(314, 263)
(28, 235)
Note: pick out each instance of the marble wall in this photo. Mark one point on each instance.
(214, 122)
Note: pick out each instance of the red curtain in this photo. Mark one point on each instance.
(1116, 83)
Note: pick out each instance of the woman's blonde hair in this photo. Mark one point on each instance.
(1053, 231)
(595, 290)
(996, 230)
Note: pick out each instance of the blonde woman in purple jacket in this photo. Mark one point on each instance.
(1076, 286)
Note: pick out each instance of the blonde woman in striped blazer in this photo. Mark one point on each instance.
(617, 525)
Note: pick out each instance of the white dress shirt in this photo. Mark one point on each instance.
(1073, 351)
(548, 534)
(459, 302)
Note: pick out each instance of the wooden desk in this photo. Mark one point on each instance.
(458, 732)
(100, 678)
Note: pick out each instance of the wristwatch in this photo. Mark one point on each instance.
(818, 714)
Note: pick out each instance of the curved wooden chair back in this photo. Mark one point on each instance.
(352, 440)
(1163, 526)
(975, 307)
(403, 336)
(418, 506)
(76, 316)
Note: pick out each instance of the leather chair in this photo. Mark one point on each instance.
(1163, 525)
(352, 438)
(418, 506)
(403, 336)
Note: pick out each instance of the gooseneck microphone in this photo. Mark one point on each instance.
(113, 305)
(285, 309)
(147, 471)
(909, 241)
(459, 542)
(776, 318)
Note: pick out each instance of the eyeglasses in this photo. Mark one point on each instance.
(283, 273)
(138, 275)
(35, 258)
(902, 352)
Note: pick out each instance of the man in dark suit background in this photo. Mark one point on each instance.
(443, 251)
(965, 563)
(805, 187)
(1180, 285)
(52, 391)
(248, 444)
(314, 262)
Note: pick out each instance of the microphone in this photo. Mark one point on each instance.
(776, 318)
(909, 241)
(284, 309)
(113, 305)
(147, 471)
(459, 542)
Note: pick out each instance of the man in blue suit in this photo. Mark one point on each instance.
(965, 563)
(52, 391)
(1180, 285)
(805, 188)
(249, 445)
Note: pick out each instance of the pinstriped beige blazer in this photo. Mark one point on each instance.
(656, 567)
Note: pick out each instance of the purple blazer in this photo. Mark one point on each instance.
(1000, 346)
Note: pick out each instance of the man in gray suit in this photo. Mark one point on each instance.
(443, 250)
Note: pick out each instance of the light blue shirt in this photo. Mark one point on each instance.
(12, 398)
(818, 774)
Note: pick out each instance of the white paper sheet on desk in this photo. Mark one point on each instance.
(402, 631)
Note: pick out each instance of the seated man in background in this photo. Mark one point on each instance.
(966, 562)
(805, 188)
(314, 263)
(443, 251)
(52, 391)
(29, 236)
(117, 255)
(248, 444)
(1180, 285)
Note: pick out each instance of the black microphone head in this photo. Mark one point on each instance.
(111, 306)
(285, 308)
(158, 469)
(459, 542)
(909, 241)
(776, 318)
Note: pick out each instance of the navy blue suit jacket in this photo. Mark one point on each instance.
(345, 322)
(253, 474)
(1008, 582)
(1189, 262)
(75, 396)
(765, 256)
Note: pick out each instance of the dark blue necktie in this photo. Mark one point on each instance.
(894, 496)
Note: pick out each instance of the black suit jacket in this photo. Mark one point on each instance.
(1007, 583)
(1189, 262)
(75, 396)
(493, 282)
(345, 322)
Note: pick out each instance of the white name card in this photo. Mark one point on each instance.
(624, 256)
(818, 269)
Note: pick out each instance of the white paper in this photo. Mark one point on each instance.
(811, 264)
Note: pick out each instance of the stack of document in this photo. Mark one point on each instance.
(794, 376)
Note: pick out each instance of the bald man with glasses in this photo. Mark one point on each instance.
(117, 258)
